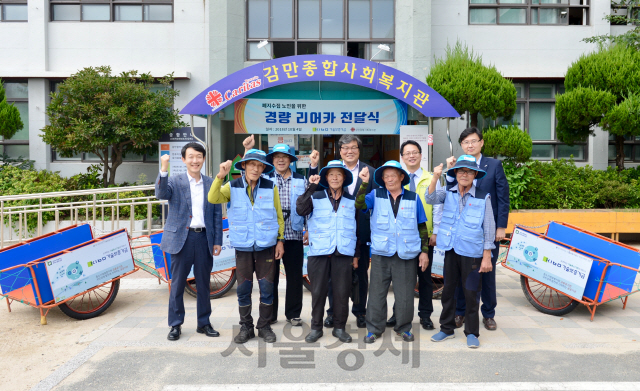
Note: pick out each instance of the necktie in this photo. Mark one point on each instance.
(412, 184)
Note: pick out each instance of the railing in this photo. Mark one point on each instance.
(104, 215)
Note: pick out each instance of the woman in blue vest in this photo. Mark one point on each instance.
(399, 237)
(332, 245)
(467, 233)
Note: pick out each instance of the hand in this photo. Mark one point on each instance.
(451, 161)
(432, 240)
(486, 266)
(437, 172)
(164, 163)
(364, 174)
(314, 158)
(224, 169)
(248, 143)
(355, 262)
(305, 238)
(423, 261)
(500, 234)
(217, 250)
(279, 250)
(314, 179)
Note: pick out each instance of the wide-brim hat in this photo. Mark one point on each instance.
(258, 155)
(348, 177)
(281, 148)
(467, 161)
(377, 175)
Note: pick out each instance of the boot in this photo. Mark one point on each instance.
(244, 335)
(245, 316)
(266, 312)
(267, 334)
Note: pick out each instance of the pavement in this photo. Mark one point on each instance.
(126, 348)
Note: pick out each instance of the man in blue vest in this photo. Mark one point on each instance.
(256, 228)
(399, 238)
(333, 245)
(467, 233)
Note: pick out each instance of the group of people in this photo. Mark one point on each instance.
(353, 218)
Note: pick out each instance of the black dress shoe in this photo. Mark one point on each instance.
(313, 336)
(208, 331)
(342, 335)
(244, 335)
(328, 322)
(174, 334)
(392, 321)
(426, 323)
(361, 322)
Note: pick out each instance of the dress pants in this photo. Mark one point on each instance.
(462, 270)
(363, 284)
(425, 288)
(261, 263)
(338, 268)
(293, 260)
(195, 252)
(488, 294)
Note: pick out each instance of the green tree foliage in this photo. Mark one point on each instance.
(109, 116)
(630, 37)
(509, 142)
(601, 90)
(10, 121)
(468, 85)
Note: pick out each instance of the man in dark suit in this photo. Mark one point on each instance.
(495, 183)
(192, 235)
(350, 147)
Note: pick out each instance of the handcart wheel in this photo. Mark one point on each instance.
(92, 303)
(219, 284)
(545, 299)
(438, 285)
(306, 282)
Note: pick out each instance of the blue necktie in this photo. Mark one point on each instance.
(412, 184)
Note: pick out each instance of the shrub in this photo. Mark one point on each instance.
(508, 141)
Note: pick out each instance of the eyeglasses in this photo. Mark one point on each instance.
(411, 153)
(464, 172)
(470, 142)
(347, 149)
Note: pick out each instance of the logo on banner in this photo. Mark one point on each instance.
(215, 99)
(430, 139)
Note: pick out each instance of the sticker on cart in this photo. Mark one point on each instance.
(547, 262)
(89, 266)
(437, 266)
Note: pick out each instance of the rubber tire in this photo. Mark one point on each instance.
(306, 282)
(437, 293)
(115, 287)
(524, 282)
(192, 291)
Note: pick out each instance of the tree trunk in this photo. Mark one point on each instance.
(474, 120)
(116, 161)
(105, 166)
(620, 152)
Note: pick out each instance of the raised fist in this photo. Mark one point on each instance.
(451, 161)
(248, 143)
(437, 172)
(364, 174)
(314, 158)
(164, 163)
(314, 179)
(224, 169)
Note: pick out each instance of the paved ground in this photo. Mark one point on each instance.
(126, 348)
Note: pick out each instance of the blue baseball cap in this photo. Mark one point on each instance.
(377, 175)
(281, 148)
(258, 155)
(348, 177)
(467, 161)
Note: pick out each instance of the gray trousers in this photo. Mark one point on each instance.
(403, 274)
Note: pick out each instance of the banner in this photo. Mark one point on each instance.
(87, 267)
(550, 263)
(293, 116)
(419, 134)
(171, 144)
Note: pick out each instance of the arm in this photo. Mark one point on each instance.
(276, 203)
(502, 194)
(304, 203)
(217, 224)
(489, 226)
(437, 218)
(364, 198)
(314, 160)
(433, 196)
(219, 194)
(164, 188)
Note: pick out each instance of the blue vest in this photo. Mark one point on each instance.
(297, 189)
(463, 232)
(255, 224)
(329, 230)
(389, 234)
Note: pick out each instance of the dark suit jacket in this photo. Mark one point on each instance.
(495, 183)
(176, 189)
(364, 219)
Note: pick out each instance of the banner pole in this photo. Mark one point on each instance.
(430, 130)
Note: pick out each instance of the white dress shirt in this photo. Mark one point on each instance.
(197, 200)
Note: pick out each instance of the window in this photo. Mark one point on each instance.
(13, 11)
(340, 27)
(631, 148)
(17, 92)
(113, 11)
(535, 12)
(535, 113)
(622, 14)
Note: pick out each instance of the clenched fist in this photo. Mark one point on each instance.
(164, 163)
(224, 169)
(437, 172)
(314, 158)
(364, 175)
(248, 143)
(314, 179)
(451, 161)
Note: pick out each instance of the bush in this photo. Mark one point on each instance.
(507, 141)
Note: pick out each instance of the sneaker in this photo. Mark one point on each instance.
(472, 341)
(244, 335)
(439, 337)
(295, 321)
(267, 334)
(371, 337)
(407, 336)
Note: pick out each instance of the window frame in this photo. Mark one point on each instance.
(112, 4)
(8, 142)
(12, 2)
(529, 6)
(635, 145)
(345, 32)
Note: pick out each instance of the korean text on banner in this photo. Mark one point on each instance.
(87, 267)
(548, 262)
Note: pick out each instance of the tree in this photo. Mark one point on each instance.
(507, 141)
(631, 17)
(10, 121)
(468, 85)
(601, 91)
(110, 116)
